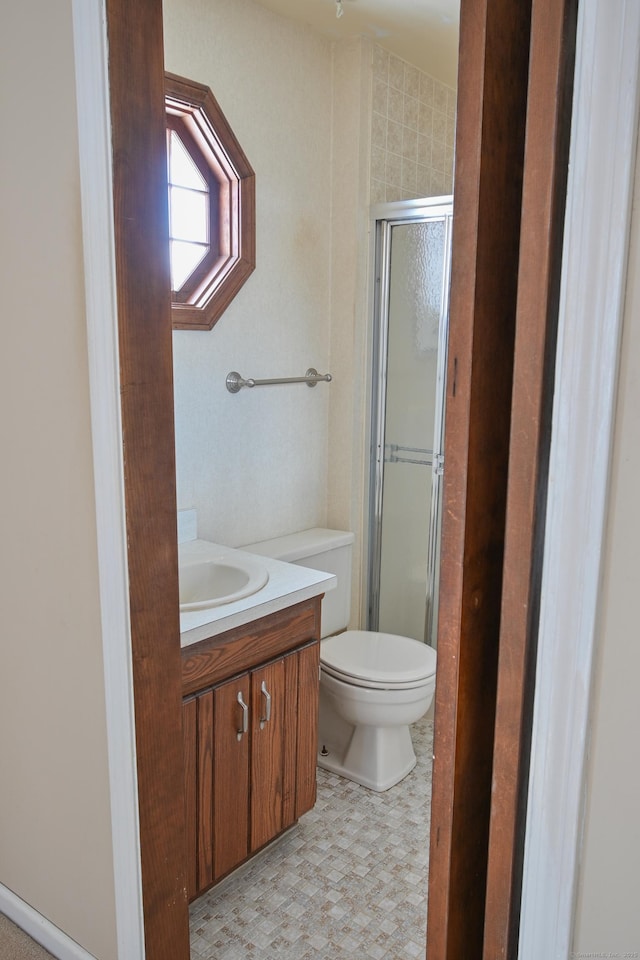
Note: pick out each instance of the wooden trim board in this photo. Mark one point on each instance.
(492, 93)
(136, 77)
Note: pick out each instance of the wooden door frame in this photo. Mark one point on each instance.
(546, 158)
(139, 171)
(599, 207)
(490, 146)
(167, 565)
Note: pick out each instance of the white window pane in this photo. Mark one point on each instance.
(185, 257)
(182, 170)
(189, 215)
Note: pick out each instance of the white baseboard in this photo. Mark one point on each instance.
(39, 928)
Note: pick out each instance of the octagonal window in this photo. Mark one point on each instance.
(211, 206)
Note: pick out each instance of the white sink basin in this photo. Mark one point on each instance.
(212, 582)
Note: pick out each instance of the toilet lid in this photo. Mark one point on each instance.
(377, 659)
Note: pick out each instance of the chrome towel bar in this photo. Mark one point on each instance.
(235, 382)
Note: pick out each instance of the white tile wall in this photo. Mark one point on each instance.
(412, 131)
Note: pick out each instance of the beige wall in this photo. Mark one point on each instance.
(55, 827)
(349, 348)
(608, 916)
(277, 459)
(254, 464)
(316, 120)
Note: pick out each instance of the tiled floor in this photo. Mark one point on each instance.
(349, 881)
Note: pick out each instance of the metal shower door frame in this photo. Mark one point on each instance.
(384, 217)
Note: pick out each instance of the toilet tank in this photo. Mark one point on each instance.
(320, 549)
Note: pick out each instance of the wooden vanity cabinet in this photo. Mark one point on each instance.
(250, 739)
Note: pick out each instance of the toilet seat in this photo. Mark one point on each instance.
(380, 661)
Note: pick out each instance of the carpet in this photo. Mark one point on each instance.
(15, 944)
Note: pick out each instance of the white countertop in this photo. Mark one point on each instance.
(288, 584)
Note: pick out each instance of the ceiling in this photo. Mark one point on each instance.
(424, 32)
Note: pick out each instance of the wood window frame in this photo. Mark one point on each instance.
(484, 167)
(194, 113)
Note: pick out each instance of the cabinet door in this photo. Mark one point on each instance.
(244, 787)
(307, 727)
(204, 753)
(284, 747)
(231, 732)
(268, 704)
(290, 759)
(216, 761)
(190, 745)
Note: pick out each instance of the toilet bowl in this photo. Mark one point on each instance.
(372, 685)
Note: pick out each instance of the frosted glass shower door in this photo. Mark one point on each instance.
(413, 285)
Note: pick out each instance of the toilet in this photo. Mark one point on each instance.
(372, 685)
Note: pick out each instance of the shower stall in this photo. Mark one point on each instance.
(412, 269)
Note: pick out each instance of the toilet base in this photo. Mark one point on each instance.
(375, 757)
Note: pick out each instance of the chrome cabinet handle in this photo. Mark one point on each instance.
(245, 716)
(267, 705)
